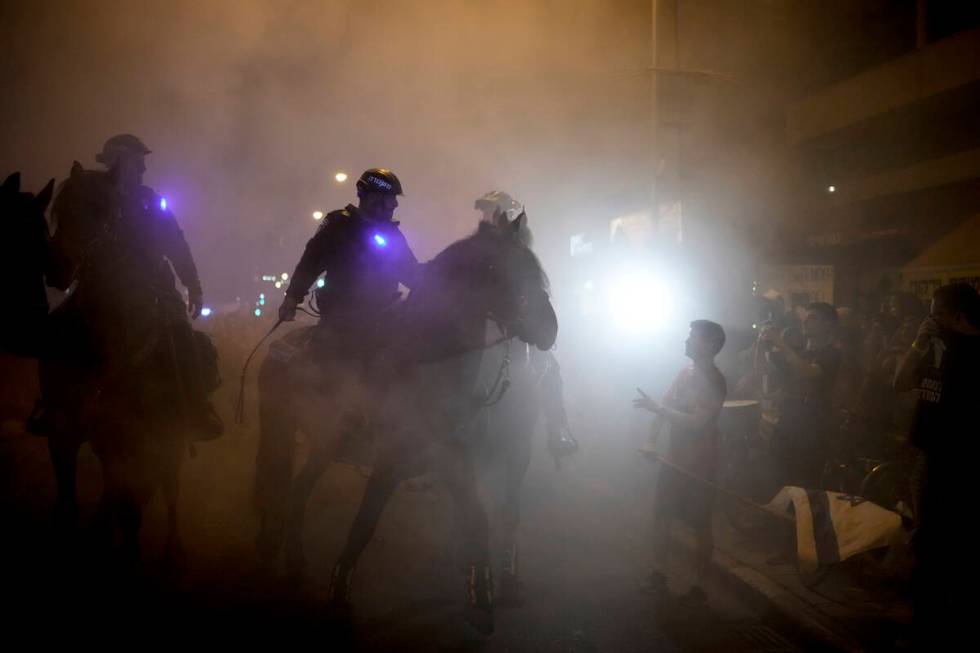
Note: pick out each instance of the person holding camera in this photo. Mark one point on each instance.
(807, 370)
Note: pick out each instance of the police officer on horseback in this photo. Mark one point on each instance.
(363, 256)
(149, 228)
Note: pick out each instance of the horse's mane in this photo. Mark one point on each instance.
(81, 185)
(486, 237)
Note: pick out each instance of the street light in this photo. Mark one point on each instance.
(341, 177)
(318, 215)
(831, 189)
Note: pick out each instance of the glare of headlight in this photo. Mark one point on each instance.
(279, 284)
(285, 275)
(318, 215)
(341, 177)
(639, 301)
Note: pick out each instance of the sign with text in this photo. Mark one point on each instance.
(799, 284)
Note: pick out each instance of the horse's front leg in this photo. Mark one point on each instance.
(461, 481)
(387, 475)
(517, 460)
(323, 451)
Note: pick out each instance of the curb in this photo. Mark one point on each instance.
(759, 589)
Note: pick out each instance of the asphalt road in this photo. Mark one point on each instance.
(584, 553)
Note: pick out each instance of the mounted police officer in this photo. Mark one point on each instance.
(150, 230)
(363, 256)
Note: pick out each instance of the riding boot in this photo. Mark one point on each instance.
(478, 610)
(338, 595)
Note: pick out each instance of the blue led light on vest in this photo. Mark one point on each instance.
(163, 203)
(380, 241)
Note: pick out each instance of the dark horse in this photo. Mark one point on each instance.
(420, 396)
(107, 367)
(24, 264)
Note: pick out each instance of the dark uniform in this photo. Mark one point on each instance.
(364, 262)
(145, 235)
(154, 238)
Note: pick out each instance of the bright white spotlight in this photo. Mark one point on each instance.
(831, 189)
(341, 177)
(285, 276)
(318, 215)
(639, 301)
(205, 311)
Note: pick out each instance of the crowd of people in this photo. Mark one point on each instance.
(824, 377)
(901, 379)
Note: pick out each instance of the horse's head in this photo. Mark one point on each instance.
(84, 204)
(22, 260)
(21, 208)
(25, 231)
(503, 279)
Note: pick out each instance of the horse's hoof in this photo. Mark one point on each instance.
(338, 594)
(480, 619)
(64, 518)
(339, 609)
(267, 545)
(478, 610)
(295, 562)
(174, 556)
(511, 594)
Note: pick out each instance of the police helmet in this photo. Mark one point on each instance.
(379, 180)
(497, 200)
(120, 144)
